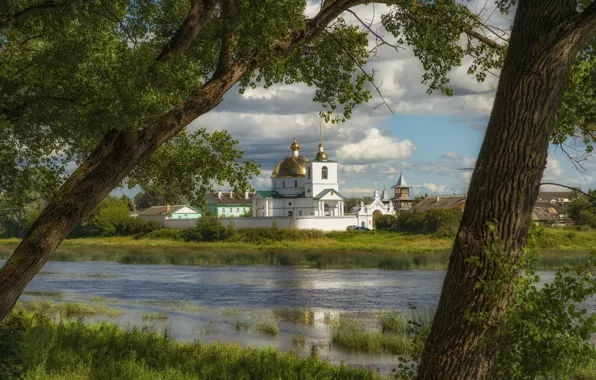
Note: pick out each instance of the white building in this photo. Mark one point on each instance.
(305, 194)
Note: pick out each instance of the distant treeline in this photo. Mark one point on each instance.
(439, 222)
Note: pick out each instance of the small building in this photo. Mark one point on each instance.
(548, 210)
(225, 205)
(164, 214)
(401, 197)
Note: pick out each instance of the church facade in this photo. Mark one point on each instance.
(305, 194)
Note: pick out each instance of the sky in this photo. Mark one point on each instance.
(433, 137)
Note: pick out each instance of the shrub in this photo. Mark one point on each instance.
(439, 222)
(165, 234)
(208, 228)
(135, 226)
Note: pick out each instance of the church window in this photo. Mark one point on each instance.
(308, 171)
(326, 209)
(283, 184)
(290, 213)
(324, 172)
(363, 224)
(289, 203)
(300, 213)
(295, 183)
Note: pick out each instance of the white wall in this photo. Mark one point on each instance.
(317, 183)
(339, 223)
(289, 189)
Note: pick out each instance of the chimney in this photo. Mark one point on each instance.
(219, 194)
(231, 194)
(246, 195)
(168, 207)
(438, 199)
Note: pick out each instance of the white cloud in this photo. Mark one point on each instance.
(376, 147)
(436, 189)
(553, 169)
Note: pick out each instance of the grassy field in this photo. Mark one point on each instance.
(33, 347)
(350, 249)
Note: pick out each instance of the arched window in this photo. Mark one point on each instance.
(363, 224)
(295, 183)
(283, 184)
(324, 172)
(308, 171)
(290, 213)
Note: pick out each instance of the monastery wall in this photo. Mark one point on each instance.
(337, 223)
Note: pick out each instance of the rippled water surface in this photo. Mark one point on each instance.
(204, 303)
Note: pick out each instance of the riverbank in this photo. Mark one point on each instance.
(350, 249)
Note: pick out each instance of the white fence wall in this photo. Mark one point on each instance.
(339, 223)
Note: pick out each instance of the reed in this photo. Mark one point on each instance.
(267, 327)
(75, 350)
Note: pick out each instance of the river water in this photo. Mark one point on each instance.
(204, 303)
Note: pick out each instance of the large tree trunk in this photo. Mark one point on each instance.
(504, 187)
(116, 155)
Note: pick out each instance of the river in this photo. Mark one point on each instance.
(204, 303)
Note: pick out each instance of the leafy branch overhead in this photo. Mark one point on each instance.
(155, 66)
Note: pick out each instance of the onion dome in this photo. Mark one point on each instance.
(291, 166)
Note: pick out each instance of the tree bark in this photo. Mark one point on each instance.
(504, 186)
(116, 155)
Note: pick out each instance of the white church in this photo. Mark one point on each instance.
(305, 194)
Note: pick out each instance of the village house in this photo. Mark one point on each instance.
(226, 205)
(550, 208)
(169, 214)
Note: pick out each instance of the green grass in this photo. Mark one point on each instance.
(152, 316)
(391, 322)
(347, 249)
(67, 309)
(298, 339)
(75, 350)
(238, 325)
(397, 333)
(295, 315)
(267, 327)
(229, 311)
(359, 340)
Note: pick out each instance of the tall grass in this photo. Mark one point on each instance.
(33, 347)
(340, 250)
(399, 334)
(67, 309)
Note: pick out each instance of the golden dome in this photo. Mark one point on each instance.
(291, 166)
(321, 155)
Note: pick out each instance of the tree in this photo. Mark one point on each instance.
(545, 40)
(582, 209)
(132, 74)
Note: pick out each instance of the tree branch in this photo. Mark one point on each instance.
(369, 77)
(582, 26)
(21, 16)
(196, 20)
(567, 187)
(228, 10)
